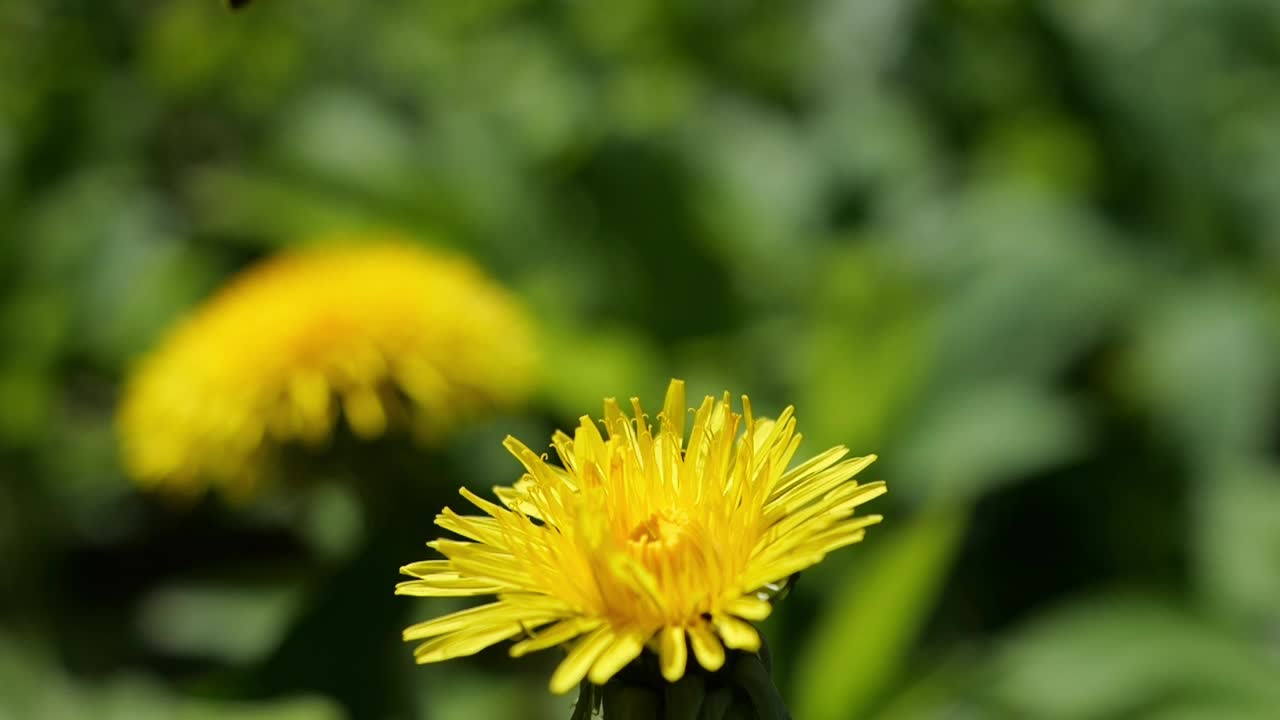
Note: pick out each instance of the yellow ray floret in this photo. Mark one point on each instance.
(642, 537)
(379, 332)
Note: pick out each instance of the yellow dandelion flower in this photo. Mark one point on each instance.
(382, 333)
(641, 540)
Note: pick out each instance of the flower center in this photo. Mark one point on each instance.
(668, 545)
(657, 529)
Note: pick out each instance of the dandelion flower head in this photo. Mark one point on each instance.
(379, 333)
(642, 537)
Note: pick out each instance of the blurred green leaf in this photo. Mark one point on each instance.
(141, 286)
(1238, 540)
(1222, 709)
(1113, 657)
(346, 138)
(759, 190)
(973, 440)
(32, 689)
(1030, 280)
(1220, 100)
(331, 520)
(592, 365)
(461, 693)
(1042, 147)
(245, 61)
(650, 96)
(864, 634)
(29, 396)
(36, 323)
(96, 504)
(136, 699)
(228, 623)
(941, 691)
(274, 209)
(870, 352)
(1200, 363)
(472, 697)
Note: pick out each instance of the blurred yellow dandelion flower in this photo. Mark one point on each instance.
(641, 540)
(383, 333)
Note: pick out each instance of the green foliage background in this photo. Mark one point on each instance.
(1025, 251)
